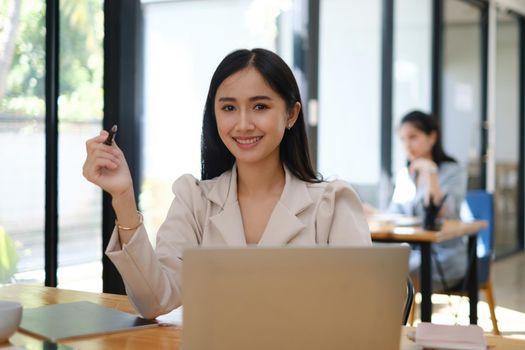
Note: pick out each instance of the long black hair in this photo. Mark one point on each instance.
(428, 124)
(294, 152)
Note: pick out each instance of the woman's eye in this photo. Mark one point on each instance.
(260, 106)
(228, 108)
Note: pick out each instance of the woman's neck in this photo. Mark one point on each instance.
(255, 180)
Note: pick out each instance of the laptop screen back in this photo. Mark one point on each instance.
(294, 298)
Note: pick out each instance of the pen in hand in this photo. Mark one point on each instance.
(109, 139)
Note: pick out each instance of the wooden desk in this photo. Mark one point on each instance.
(147, 338)
(33, 296)
(417, 235)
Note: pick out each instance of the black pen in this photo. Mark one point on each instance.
(109, 140)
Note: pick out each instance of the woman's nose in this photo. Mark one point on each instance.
(245, 121)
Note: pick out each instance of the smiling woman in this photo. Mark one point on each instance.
(268, 89)
(258, 185)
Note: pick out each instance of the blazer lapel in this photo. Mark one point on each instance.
(228, 222)
(284, 225)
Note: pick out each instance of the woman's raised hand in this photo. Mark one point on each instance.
(423, 166)
(106, 166)
(429, 170)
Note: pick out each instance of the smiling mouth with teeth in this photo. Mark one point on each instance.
(247, 141)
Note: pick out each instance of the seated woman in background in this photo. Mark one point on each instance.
(431, 175)
(257, 184)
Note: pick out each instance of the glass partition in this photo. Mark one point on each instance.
(412, 70)
(461, 88)
(80, 110)
(22, 141)
(507, 134)
(349, 94)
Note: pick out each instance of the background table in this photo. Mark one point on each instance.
(451, 229)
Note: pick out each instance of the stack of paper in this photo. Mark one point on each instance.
(437, 337)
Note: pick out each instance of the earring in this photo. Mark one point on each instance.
(289, 126)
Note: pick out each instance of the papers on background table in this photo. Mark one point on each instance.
(435, 336)
(394, 219)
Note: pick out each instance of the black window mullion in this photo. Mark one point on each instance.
(437, 58)
(313, 74)
(521, 164)
(484, 22)
(122, 106)
(51, 135)
(387, 61)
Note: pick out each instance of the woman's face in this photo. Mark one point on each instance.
(251, 117)
(417, 144)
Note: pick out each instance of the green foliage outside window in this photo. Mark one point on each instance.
(8, 257)
(81, 59)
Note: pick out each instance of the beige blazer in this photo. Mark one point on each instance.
(207, 213)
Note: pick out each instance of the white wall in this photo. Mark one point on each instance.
(412, 70)
(507, 88)
(184, 43)
(349, 90)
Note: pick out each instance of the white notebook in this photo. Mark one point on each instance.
(436, 336)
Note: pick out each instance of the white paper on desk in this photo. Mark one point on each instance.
(437, 336)
(173, 318)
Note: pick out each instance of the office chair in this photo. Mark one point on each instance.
(479, 205)
(409, 301)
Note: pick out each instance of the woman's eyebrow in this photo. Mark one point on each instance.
(254, 98)
(260, 97)
(227, 99)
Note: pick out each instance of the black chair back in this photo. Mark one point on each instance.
(409, 301)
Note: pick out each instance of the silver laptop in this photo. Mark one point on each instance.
(294, 298)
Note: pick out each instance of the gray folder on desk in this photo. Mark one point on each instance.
(78, 319)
